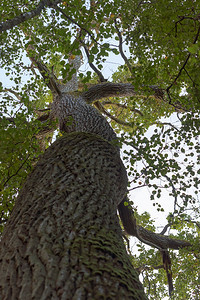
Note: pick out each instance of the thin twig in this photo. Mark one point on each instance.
(121, 47)
(166, 123)
(74, 22)
(165, 228)
(24, 162)
(179, 73)
(182, 68)
(92, 66)
(104, 111)
(123, 106)
(13, 92)
(149, 268)
(173, 190)
(189, 76)
(137, 187)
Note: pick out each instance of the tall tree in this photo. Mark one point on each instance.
(63, 240)
(54, 35)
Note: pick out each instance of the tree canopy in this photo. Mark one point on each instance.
(157, 120)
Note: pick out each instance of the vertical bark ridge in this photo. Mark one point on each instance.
(63, 240)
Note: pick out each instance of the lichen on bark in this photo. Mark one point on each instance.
(63, 240)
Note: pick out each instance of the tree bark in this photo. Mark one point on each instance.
(63, 240)
(9, 24)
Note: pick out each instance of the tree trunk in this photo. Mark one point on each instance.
(63, 240)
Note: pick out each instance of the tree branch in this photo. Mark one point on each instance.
(167, 266)
(149, 268)
(146, 236)
(121, 48)
(74, 22)
(112, 89)
(165, 228)
(183, 66)
(92, 66)
(13, 92)
(122, 106)
(104, 111)
(14, 174)
(160, 241)
(49, 78)
(173, 190)
(167, 124)
(108, 89)
(9, 24)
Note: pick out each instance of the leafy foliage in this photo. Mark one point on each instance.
(162, 42)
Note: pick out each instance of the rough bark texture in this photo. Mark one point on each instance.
(63, 240)
(108, 89)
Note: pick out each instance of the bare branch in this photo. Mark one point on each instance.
(43, 117)
(49, 78)
(146, 236)
(9, 24)
(173, 190)
(92, 66)
(11, 120)
(128, 242)
(165, 228)
(193, 222)
(13, 92)
(112, 89)
(42, 110)
(177, 76)
(160, 241)
(108, 89)
(14, 174)
(166, 123)
(122, 106)
(137, 187)
(121, 48)
(167, 266)
(194, 84)
(104, 111)
(149, 268)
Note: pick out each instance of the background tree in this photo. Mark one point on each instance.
(162, 71)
